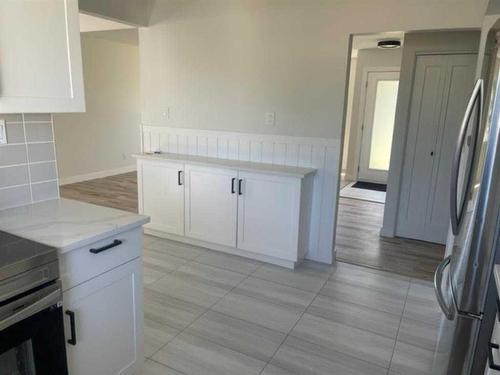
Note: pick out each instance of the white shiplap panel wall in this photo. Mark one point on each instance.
(318, 153)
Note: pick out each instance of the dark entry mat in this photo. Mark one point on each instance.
(370, 186)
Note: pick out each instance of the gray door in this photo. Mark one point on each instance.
(441, 88)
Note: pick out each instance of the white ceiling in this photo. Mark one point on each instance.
(370, 41)
(91, 23)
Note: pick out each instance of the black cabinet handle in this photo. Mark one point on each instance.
(107, 247)
(491, 361)
(179, 181)
(71, 315)
(240, 181)
(232, 185)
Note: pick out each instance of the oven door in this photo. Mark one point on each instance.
(32, 334)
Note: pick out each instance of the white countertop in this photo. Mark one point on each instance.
(236, 164)
(67, 224)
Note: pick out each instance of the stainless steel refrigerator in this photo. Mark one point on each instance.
(463, 281)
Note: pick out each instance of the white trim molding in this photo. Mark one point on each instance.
(320, 153)
(94, 175)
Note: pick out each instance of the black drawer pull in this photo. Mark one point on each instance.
(107, 247)
(71, 315)
(179, 181)
(232, 185)
(240, 192)
(491, 361)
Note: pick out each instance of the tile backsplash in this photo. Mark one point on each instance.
(28, 168)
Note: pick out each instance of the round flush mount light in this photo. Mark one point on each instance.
(389, 44)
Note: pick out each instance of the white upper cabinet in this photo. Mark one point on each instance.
(40, 57)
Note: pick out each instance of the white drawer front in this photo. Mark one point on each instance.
(80, 265)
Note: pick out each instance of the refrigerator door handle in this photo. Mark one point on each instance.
(438, 282)
(457, 208)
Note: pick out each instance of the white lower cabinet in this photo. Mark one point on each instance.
(211, 204)
(268, 214)
(164, 202)
(107, 315)
(259, 211)
(103, 305)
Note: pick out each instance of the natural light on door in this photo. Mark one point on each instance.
(383, 124)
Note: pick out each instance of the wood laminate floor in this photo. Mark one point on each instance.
(358, 241)
(359, 223)
(119, 191)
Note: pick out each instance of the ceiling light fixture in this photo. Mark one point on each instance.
(389, 44)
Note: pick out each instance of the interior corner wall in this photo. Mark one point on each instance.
(100, 141)
(222, 64)
(133, 12)
(367, 59)
(423, 42)
(348, 116)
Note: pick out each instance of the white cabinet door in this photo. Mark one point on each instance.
(211, 204)
(442, 86)
(268, 215)
(40, 57)
(108, 316)
(162, 195)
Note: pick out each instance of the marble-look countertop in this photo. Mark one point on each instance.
(246, 166)
(67, 224)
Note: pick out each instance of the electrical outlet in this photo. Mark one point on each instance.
(270, 118)
(166, 114)
(3, 133)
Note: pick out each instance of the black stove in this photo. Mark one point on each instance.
(31, 320)
(19, 255)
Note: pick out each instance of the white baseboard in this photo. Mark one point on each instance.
(94, 175)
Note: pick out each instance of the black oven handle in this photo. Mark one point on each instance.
(40, 304)
(72, 326)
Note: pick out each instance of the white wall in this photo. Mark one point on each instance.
(366, 59)
(221, 64)
(99, 142)
(348, 115)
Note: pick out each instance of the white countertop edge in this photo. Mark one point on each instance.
(85, 223)
(98, 237)
(245, 166)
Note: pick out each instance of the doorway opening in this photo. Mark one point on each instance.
(95, 148)
(401, 131)
(372, 98)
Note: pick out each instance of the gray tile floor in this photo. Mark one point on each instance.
(212, 313)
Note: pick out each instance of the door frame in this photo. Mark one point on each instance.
(362, 109)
